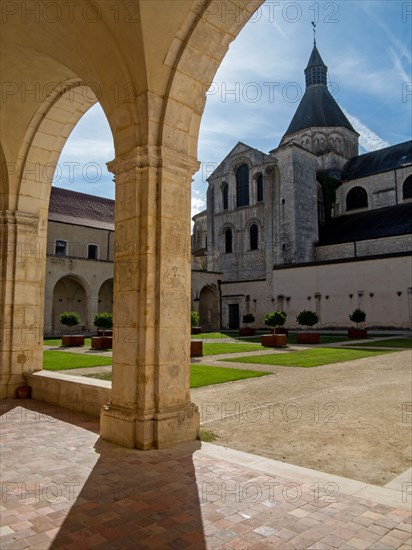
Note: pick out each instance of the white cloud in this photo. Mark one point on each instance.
(367, 139)
(198, 202)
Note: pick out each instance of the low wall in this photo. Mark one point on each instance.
(78, 393)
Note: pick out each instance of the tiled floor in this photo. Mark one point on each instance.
(63, 487)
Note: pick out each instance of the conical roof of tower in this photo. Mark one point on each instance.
(317, 107)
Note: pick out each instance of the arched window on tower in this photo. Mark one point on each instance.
(228, 241)
(356, 198)
(407, 188)
(254, 237)
(225, 196)
(242, 185)
(259, 188)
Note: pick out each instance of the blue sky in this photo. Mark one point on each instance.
(365, 44)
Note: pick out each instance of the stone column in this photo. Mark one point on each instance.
(22, 253)
(150, 406)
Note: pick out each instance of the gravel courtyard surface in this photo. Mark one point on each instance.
(352, 419)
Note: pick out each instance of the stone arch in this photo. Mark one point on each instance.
(45, 138)
(71, 293)
(209, 308)
(105, 297)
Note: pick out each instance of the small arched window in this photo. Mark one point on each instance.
(242, 185)
(259, 188)
(254, 236)
(92, 252)
(356, 198)
(228, 241)
(225, 196)
(407, 188)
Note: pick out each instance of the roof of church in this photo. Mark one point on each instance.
(81, 209)
(378, 161)
(390, 221)
(317, 107)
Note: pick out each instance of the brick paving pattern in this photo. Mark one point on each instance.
(65, 488)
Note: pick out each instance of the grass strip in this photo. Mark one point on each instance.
(309, 358)
(203, 375)
(59, 360)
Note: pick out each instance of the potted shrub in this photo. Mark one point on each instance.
(357, 316)
(71, 319)
(307, 319)
(23, 392)
(195, 323)
(273, 320)
(104, 321)
(247, 331)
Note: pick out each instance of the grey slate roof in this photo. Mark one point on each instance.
(390, 221)
(80, 209)
(317, 107)
(378, 161)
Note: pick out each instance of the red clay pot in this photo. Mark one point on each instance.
(274, 340)
(196, 348)
(308, 338)
(357, 333)
(247, 331)
(73, 340)
(23, 392)
(102, 342)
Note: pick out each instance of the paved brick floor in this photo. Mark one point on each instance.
(63, 487)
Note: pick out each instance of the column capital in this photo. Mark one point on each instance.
(153, 157)
(17, 217)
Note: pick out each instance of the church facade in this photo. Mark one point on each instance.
(309, 225)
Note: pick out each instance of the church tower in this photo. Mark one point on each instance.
(319, 124)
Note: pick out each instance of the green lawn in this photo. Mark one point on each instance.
(61, 360)
(216, 335)
(324, 338)
(395, 343)
(222, 347)
(309, 358)
(203, 375)
(58, 342)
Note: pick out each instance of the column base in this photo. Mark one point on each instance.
(154, 430)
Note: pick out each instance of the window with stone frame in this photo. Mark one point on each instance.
(60, 248)
(259, 188)
(92, 252)
(254, 237)
(242, 185)
(407, 188)
(228, 241)
(225, 196)
(357, 197)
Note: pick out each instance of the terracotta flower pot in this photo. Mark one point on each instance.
(247, 331)
(196, 348)
(102, 342)
(73, 340)
(273, 340)
(308, 338)
(23, 392)
(357, 332)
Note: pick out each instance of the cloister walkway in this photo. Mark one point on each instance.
(65, 488)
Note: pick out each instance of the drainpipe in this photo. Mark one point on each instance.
(396, 187)
(219, 282)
